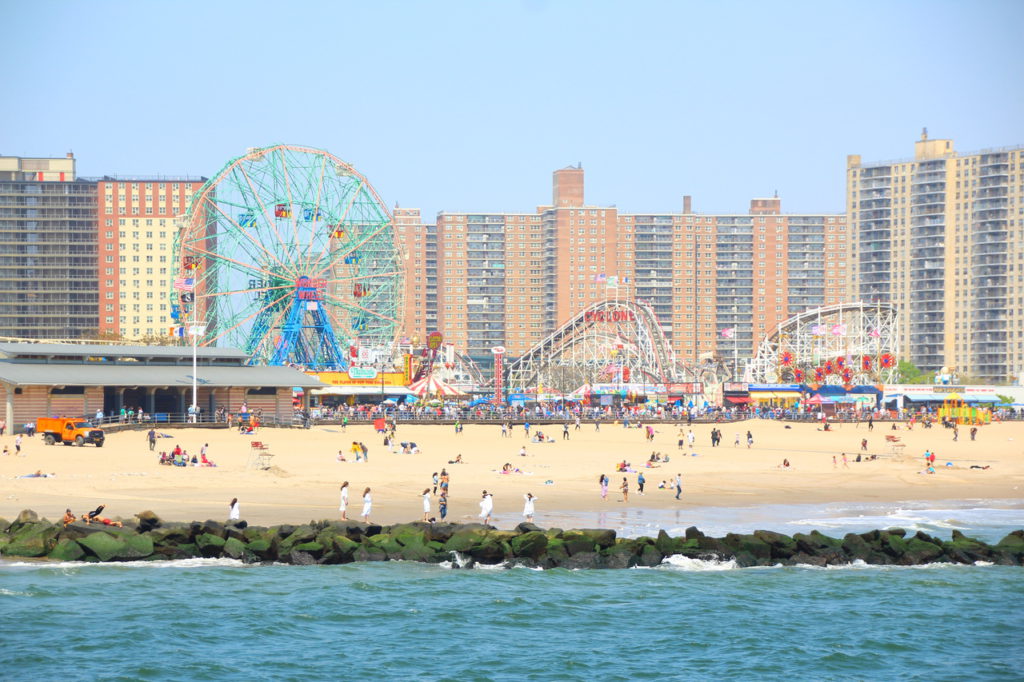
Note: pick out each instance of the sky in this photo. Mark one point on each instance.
(470, 106)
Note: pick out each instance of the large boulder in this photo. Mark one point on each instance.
(210, 545)
(624, 554)
(919, 552)
(67, 550)
(26, 516)
(102, 546)
(32, 539)
(578, 543)
(135, 547)
(367, 553)
(234, 548)
(147, 521)
(531, 544)
(299, 535)
(782, 547)
(602, 537)
(492, 550)
(262, 549)
(650, 556)
(750, 545)
(464, 539)
(585, 560)
(965, 550)
(171, 534)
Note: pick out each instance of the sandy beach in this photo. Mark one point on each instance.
(304, 480)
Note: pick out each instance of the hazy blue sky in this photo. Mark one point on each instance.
(471, 105)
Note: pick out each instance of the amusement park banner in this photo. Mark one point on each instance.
(389, 379)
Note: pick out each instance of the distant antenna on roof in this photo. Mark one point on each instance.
(924, 134)
(776, 194)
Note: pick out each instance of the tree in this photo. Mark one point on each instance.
(908, 373)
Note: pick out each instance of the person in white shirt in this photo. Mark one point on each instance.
(528, 507)
(426, 504)
(486, 507)
(367, 505)
(343, 507)
(235, 513)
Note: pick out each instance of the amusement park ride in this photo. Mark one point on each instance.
(290, 254)
(845, 344)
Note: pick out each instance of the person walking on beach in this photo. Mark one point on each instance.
(736, 443)
(603, 482)
(750, 439)
(871, 424)
(597, 424)
(640, 480)
(526, 428)
(435, 480)
(577, 423)
(565, 431)
(864, 444)
(679, 485)
(343, 506)
(151, 438)
(366, 452)
(426, 504)
(956, 433)
(528, 506)
(17, 445)
(835, 464)
(845, 464)
(442, 505)
(974, 432)
(504, 429)
(234, 513)
(367, 505)
(486, 507)
(625, 489)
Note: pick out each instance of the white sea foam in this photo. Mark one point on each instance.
(679, 562)
(169, 563)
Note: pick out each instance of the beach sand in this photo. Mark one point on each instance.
(303, 482)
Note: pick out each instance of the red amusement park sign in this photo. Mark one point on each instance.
(609, 316)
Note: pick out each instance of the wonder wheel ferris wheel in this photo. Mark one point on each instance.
(289, 254)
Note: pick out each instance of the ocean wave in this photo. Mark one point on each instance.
(678, 562)
(168, 563)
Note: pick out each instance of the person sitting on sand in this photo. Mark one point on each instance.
(785, 464)
(205, 462)
(457, 460)
(69, 518)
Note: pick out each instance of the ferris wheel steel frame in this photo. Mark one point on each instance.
(291, 255)
(819, 345)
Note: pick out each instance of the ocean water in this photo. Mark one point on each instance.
(685, 620)
(216, 620)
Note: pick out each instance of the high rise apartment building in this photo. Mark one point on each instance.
(941, 235)
(136, 232)
(718, 283)
(48, 249)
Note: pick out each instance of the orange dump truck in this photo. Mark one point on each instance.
(69, 431)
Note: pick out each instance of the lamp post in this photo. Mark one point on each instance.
(195, 330)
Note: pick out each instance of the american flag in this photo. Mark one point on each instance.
(184, 283)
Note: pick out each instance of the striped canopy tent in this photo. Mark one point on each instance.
(432, 386)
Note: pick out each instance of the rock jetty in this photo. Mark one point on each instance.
(147, 538)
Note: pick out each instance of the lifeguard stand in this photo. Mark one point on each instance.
(259, 456)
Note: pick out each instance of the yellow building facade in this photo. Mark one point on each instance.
(941, 235)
